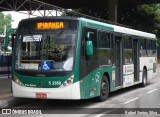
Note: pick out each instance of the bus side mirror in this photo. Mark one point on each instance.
(88, 35)
(89, 48)
(89, 44)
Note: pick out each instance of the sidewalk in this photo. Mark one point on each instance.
(5, 86)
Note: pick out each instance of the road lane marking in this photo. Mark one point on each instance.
(131, 100)
(5, 95)
(99, 115)
(152, 91)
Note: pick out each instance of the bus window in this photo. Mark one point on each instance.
(103, 39)
(127, 42)
(88, 63)
(154, 47)
(104, 50)
(34, 48)
(143, 44)
(93, 38)
(149, 47)
(143, 51)
(128, 53)
(149, 44)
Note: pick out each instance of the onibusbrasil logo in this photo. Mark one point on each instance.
(21, 111)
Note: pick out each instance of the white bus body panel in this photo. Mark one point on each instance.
(148, 62)
(128, 75)
(68, 92)
(133, 32)
(128, 71)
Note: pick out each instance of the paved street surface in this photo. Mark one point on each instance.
(5, 85)
(126, 102)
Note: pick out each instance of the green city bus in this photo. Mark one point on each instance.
(79, 58)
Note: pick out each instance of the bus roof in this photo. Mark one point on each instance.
(123, 30)
(134, 32)
(119, 29)
(50, 17)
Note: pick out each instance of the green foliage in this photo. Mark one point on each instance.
(142, 17)
(72, 12)
(99, 13)
(153, 11)
(5, 20)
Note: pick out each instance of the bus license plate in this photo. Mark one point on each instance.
(41, 95)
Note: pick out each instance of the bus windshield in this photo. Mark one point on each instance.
(47, 51)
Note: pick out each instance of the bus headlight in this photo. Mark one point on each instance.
(68, 82)
(16, 80)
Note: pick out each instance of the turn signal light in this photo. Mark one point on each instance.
(68, 82)
(16, 79)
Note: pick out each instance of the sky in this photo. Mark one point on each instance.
(16, 17)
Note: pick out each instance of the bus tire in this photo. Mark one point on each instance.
(144, 78)
(104, 89)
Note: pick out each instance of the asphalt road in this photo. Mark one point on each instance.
(131, 101)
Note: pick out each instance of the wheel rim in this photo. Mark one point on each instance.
(104, 88)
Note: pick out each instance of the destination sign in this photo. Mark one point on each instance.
(50, 25)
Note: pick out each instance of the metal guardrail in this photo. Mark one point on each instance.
(5, 65)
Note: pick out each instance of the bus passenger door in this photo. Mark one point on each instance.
(118, 61)
(136, 59)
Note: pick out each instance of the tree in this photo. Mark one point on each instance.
(5, 20)
(98, 13)
(140, 17)
(143, 17)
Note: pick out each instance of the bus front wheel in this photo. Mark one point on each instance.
(144, 78)
(104, 89)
